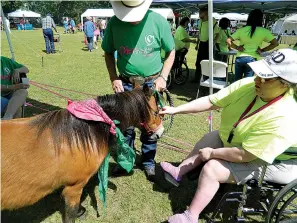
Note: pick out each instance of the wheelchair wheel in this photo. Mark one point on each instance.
(284, 207)
(182, 74)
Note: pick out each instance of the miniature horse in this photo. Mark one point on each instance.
(56, 149)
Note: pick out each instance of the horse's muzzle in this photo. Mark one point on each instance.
(157, 133)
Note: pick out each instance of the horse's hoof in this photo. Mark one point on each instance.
(81, 211)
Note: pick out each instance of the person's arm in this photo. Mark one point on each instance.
(216, 37)
(16, 73)
(198, 105)
(54, 25)
(273, 43)
(232, 154)
(160, 82)
(233, 45)
(110, 64)
(117, 85)
(188, 40)
(14, 87)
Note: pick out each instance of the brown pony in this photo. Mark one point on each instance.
(56, 149)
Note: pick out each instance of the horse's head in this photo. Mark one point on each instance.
(153, 125)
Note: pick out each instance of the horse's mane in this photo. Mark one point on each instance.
(128, 107)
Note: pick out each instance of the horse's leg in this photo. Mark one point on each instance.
(73, 208)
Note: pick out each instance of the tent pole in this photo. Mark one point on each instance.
(210, 48)
(7, 34)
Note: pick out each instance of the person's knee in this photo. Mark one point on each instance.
(211, 169)
(22, 93)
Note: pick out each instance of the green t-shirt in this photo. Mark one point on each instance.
(203, 29)
(223, 36)
(181, 34)
(139, 46)
(251, 44)
(7, 67)
(266, 134)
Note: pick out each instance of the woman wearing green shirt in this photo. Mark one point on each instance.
(183, 39)
(258, 124)
(221, 45)
(251, 38)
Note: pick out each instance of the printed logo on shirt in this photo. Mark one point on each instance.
(149, 39)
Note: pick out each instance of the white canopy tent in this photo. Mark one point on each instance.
(24, 13)
(167, 13)
(101, 13)
(235, 16)
(214, 15)
(288, 23)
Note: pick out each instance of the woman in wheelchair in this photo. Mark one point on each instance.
(13, 91)
(182, 41)
(258, 123)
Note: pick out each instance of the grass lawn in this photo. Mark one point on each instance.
(131, 198)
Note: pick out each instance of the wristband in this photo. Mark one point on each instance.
(165, 79)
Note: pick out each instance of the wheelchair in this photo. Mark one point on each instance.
(276, 202)
(180, 72)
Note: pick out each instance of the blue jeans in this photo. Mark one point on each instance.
(242, 67)
(4, 101)
(90, 43)
(102, 33)
(49, 40)
(149, 146)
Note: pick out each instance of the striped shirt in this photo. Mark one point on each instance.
(48, 23)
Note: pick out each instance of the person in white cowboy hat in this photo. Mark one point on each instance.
(138, 35)
(258, 124)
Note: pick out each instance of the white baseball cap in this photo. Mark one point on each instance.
(130, 10)
(281, 63)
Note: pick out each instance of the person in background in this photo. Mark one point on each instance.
(221, 45)
(138, 35)
(202, 43)
(89, 29)
(65, 25)
(293, 33)
(96, 35)
(47, 25)
(102, 26)
(72, 23)
(22, 23)
(251, 38)
(182, 35)
(13, 93)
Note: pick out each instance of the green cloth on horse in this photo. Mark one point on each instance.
(125, 158)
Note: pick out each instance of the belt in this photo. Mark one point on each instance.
(132, 78)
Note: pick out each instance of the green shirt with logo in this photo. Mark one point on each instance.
(249, 43)
(139, 45)
(7, 67)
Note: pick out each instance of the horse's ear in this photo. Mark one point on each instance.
(147, 90)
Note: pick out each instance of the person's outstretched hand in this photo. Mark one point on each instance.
(167, 110)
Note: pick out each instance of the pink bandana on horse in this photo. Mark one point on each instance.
(90, 110)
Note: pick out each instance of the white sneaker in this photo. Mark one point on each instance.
(96, 47)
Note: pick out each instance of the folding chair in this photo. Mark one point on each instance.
(219, 71)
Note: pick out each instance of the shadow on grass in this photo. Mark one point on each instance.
(181, 197)
(51, 204)
(188, 91)
(38, 108)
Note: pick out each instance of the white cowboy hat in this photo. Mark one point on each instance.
(130, 10)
